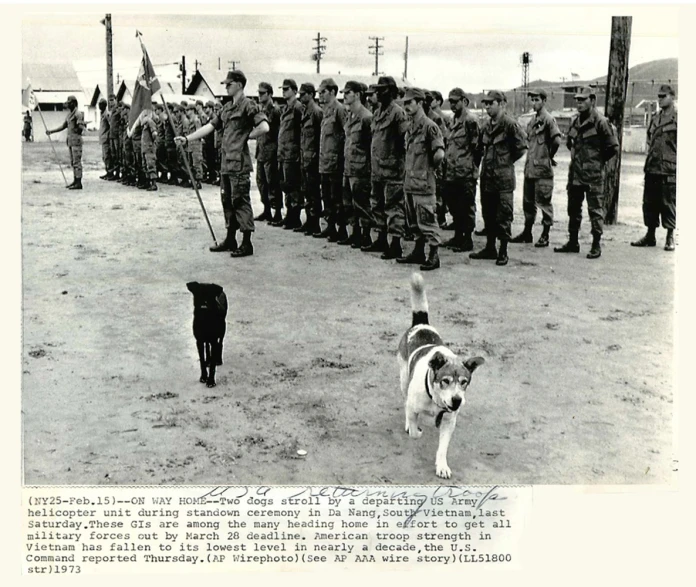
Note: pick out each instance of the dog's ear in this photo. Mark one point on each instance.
(192, 286)
(215, 289)
(437, 361)
(473, 363)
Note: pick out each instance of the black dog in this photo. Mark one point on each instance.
(209, 312)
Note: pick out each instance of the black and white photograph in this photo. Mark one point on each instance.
(415, 245)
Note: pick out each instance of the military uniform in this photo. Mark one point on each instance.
(161, 155)
(75, 124)
(289, 139)
(439, 120)
(542, 134)
(460, 177)
(592, 143)
(115, 140)
(171, 130)
(356, 171)
(104, 131)
(389, 125)
(196, 150)
(267, 179)
(149, 157)
(311, 134)
(137, 145)
(127, 143)
(237, 120)
(660, 189)
(331, 147)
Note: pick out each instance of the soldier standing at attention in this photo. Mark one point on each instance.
(543, 140)
(309, 157)
(501, 143)
(660, 188)
(128, 168)
(136, 136)
(592, 143)
(331, 148)
(149, 157)
(461, 171)
(160, 144)
(115, 137)
(28, 124)
(289, 138)
(267, 156)
(75, 123)
(425, 151)
(104, 128)
(241, 120)
(356, 171)
(389, 125)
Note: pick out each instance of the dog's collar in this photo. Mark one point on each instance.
(441, 413)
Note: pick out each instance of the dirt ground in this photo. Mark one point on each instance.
(576, 388)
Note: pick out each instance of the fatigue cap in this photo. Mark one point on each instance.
(353, 86)
(385, 81)
(307, 88)
(459, 94)
(191, 106)
(236, 75)
(496, 95)
(540, 92)
(584, 93)
(71, 98)
(436, 95)
(210, 104)
(265, 87)
(102, 101)
(328, 83)
(289, 83)
(414, 94)
(371, 89)
(665, 89)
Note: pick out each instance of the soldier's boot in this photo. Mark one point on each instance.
(198, 185)
(313, 226)
(408, 233)
(648, 240)
(292, 220)
(72, 183)
(340, 234)
(163, 177)
(394, 251)
(358, 237)
(669, 240)
(365, 239)
(502, 253)
(306, 225)
(246, 249)
(482, 232)
(572, 246)
(153, 186)
(488, 252)
(76, 185)
(106, 176)
(467, 244)
(416, 256)
(544, 238)
(347, 239)
(328, 232)
(433, 261)
(525, 236)
(277, 219)
(378, 246)
(596, 250)
(229, 244)
(455, 241)
(265, 215)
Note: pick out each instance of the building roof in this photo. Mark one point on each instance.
(50, 77)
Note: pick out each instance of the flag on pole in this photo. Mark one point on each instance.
(30, 98)
(146, 85)
(575, 76)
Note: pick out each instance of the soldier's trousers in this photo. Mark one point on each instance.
(497, 213)
(595, 207)
(268, 182)
(116, 153)
(537, 193)
(128, 158)
(387, 205)
(138, 159)
(311, 188)
(76, 161)
(421, 213)
(459, 196)
(356, 201)
(162, 158)
(332, 196)
(149, 160)
(291, 183)
(236, 201)
(173, 160)
(209, 156)
(196, 159)
(660, 201)
(106, 156)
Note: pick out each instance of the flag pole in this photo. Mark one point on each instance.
(52, 145)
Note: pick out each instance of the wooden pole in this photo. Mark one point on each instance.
(109, 57)
(52, 146)
(617, 84)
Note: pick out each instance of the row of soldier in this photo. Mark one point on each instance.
(387, 163)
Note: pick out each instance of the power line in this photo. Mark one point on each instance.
(376, 53)
(319, 50)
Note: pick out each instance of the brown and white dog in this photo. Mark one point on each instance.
(433, 378)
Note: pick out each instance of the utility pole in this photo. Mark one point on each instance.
(406, 60)
(233, 64)
(219, 64)
(617, 84)
(109, 56)
(525, 60)
(376, 53)
(319, 50)
(182, 69)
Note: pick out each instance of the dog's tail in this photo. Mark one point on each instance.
(419, 301)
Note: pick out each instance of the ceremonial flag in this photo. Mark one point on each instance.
(145, 86)
(575, 76)
(30, 98)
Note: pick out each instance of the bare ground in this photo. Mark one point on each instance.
(577, 385)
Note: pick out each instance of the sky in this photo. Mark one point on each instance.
(476, 48)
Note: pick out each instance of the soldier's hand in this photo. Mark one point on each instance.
(180, 141)
(48, 132)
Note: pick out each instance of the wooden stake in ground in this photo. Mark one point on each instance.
(617, 83)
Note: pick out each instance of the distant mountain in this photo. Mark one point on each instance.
(660, 70)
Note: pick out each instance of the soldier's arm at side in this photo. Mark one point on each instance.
(519, 142)
(611, 143)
